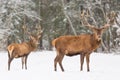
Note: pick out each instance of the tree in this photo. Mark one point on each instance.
(12, 16)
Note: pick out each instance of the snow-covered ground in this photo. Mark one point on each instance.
(40, 67)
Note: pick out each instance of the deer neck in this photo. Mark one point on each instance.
(32, 45)
(95, 41)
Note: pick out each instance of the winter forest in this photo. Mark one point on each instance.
(19, 19)
(56, 18)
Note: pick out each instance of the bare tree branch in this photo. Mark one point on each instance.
(68, 18)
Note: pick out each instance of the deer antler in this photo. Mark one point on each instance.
(110, 19)
(84, 21)
(26, 30)
(39, 30)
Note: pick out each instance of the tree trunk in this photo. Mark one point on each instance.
(68, 18)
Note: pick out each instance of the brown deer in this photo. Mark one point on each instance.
(17, 50)
(82, 45)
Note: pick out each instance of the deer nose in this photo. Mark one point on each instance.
(99, 36)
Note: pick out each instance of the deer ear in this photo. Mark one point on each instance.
(31, 37)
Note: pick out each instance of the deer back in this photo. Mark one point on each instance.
(74, 44)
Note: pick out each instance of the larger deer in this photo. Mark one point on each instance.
(17, 50)
(82, 45)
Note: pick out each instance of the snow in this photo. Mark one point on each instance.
(40, 67)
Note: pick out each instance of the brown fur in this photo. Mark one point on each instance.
(83, 45)
(16, 50)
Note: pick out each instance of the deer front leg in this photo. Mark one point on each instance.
(23, 62)
(88, 61)
(26, 61)
(82, 61)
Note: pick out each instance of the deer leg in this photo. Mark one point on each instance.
(87, 61)
(60, 62)
(23, 62)
(82, 61)
(26, 61)
(9, 62)
(8, 54)
(55, 62)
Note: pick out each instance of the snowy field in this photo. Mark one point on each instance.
(40, 67)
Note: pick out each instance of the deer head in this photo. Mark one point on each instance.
(97, 31)
(34, 35)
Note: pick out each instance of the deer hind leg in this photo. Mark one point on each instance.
(82, 61)
(60, 62)
(55, 62)
(9, 62)
(87, 61)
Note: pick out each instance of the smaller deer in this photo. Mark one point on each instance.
(82, 45)
(17, 50)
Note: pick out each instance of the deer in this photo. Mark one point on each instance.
(22, 50)
(83, 44)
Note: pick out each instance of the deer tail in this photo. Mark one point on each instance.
(10, 50)
(53, 42)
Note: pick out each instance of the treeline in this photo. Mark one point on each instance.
(56, 18)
